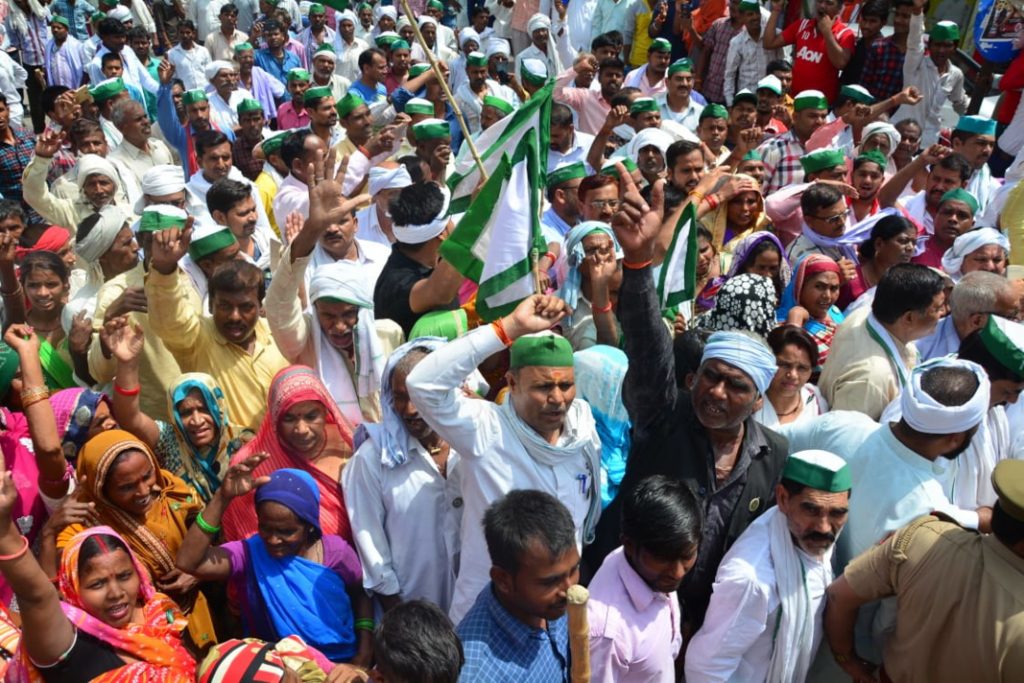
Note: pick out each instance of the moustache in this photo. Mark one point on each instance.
(817, 536)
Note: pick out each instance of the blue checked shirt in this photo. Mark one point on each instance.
(76, 13)
(501, 649)
(13, 160)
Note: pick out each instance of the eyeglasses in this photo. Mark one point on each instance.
(600, 204)
(837, 219)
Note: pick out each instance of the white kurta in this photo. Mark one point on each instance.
(471, 104)
(405, 521)
(369, 227)
(736, 641)
(812, 404)
(493, 461)
(942, 342)
(225, 114)
(842, 432)
(984, 188)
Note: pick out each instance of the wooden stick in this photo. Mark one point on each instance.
(467, 138)
(535, 267)
(579, 634)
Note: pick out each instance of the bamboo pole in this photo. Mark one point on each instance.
(579, 634)
(467, 138)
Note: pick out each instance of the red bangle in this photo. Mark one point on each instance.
(637, 266)
(602, 309)
(365, 152)
(127, 392)
(712, 202)
(21, 551)
(499, 329)
(551, 256)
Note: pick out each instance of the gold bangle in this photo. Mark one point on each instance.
(33, 392)
(26, 403)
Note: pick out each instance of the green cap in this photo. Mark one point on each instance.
(340, 5)
(810, 99)
(714, 111)
(56, 19)
(874, 156)
(325, 48)
(210, 241)
(744, 95)
(317, 93)
(387, 39)
(431, 129)
(317, 8)
(818, 470)
(535, 72)
(448, 324)
(749, 6)
(109, 4)
(193, 96)
(642, 104)
(242, 47)
(945, 32)
(157, 217)
(660, 45)
(821, 159)
(104, 90)
(544, 350)
(771, 82)
(566, 172)
(347, 104)
(298, 75)
(248, 105)
(1008, 482)
(421, 107)
(418, 70)
(498, 103)
(961, 195)
(272, 145)
(1004, 340)
(684, 64)
(97, 16)
(752, 155)
(857, 93)
(434, 4)
(476, 59)
(976, 125)
(609, 167)
(400, 44)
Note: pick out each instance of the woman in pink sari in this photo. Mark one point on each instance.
(305, 430)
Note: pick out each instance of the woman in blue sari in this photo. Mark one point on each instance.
(288, 578)
(809, 301)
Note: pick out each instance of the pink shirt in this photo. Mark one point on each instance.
(634, 630)
(591, 107)
(288, 118)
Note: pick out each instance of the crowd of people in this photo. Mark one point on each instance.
(255, 424)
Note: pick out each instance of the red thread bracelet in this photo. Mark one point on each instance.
(602, 309)
(637, 266)
(499, 329)
(127, 392)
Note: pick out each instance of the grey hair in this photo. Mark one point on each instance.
(122, 110)
(977, 292)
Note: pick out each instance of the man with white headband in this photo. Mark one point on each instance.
(414, 281)
(765, 616)
(386, 180)
(98, 183)
(980, 249)
(347, 46)
(469, 41)
(226, 95)
(542, 46)
(706, 437)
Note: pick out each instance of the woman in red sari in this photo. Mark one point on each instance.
(303, 429)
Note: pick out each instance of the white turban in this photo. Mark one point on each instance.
(744, 353)
(648, 137)
(427, 19)
(385, 10)
(928, 416)
(538, 21)
(886, 129)
(348, 15)
(418, 234)
(389, 179)
(343, 280)
(121, 13)
(215, 67)
(91, 164)
(102, 236)
(161, 180)
(498, 46)
(468, 34)
(965, 244)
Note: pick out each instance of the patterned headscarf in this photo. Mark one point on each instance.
(745, 302)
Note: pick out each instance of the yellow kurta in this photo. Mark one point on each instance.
(198, 347)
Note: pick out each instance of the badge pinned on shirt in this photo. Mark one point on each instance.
(755, 503)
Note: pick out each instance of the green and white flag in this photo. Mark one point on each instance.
(497, 239)
(531, 120)
(678, 276)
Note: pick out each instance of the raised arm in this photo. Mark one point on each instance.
(36, 192)
(773, 38)
(617, 116)
(171, 314)
(126, 341)
(10, 287)
(166, 114)
(54, 472)
(836, 53)
(915, 43)
(889, 193)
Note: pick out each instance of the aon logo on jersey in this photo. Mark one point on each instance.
(808, 55)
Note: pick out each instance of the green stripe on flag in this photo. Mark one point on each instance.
(678, 277)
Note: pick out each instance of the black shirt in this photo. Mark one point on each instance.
(88, 658)
(391, 295)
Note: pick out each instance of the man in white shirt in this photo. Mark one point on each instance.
(538, 439)
(974, 137)
(139, 151)
(764, 621)
(542, 46)
(747, 59)
(65, 58)
(348, 47)
(189, 58)
(675, 103)
(568, 145)
(470, 96)
(224, 94)
(115, 38)
(221, 43)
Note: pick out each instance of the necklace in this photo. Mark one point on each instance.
(799, 404)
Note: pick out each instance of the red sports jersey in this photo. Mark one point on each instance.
(812, 69)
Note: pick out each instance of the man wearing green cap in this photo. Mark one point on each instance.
(765, 616)
(933, 73)
(318, 32)
(748, 60)
(221, 43)
(782, 154)
(197, 112)
(650, 78)
(539, 438)
(542, 46)
(470, 95)
(265, 89)
(676, 102)
(251, 128)
(293, 114)
(929, 566)
(65, 56)
(974, 137)
(400, 61)
(822, 46)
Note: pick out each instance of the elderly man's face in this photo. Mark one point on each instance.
(723, 395)
(815, 517)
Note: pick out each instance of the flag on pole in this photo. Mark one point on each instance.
(678, 277)
(495, 241)
(531, 120)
